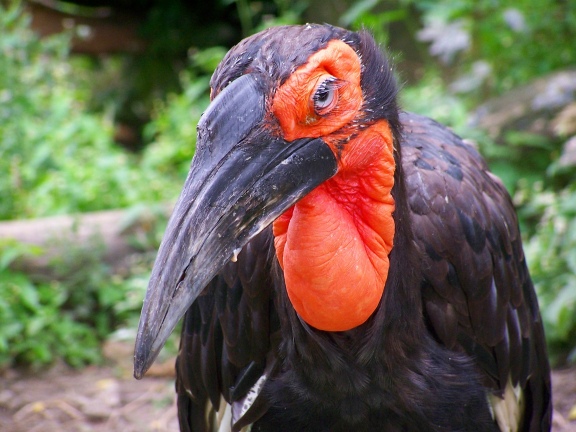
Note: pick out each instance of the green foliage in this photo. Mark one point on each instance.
(38, 322)
(363, 14)
(65, 315)
(56, 156)
(259, 15)
(551, 253)
(172, 132)
(519, 41)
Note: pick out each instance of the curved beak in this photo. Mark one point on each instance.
(241, 179)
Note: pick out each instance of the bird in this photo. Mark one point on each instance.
(341, 264)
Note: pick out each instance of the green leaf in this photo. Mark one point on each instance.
(355, 11)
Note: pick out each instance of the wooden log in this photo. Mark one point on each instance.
(531, 108)
(115, 234)
(106, 31)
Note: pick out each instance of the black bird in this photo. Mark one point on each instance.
(341, 265)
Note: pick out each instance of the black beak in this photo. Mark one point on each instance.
(241, 179)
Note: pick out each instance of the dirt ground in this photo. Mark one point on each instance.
(108, 399)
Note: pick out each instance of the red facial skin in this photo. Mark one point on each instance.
(333, 245)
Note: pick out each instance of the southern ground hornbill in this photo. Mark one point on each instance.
(341, 265)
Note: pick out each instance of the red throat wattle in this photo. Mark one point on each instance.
(333, 245)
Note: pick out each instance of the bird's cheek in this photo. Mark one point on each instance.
(292, 104)
(369, 152)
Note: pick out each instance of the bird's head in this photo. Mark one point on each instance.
(300, 134)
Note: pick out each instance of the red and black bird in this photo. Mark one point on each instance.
(341, 265)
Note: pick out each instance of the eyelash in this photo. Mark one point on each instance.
(327, 91)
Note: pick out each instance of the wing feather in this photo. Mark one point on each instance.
(227, 339)
(477, 293)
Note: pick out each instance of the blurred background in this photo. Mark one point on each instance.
(99, 101)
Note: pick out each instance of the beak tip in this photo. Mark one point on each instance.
(143, 357)
(138, 373)
(141, 364)
(139, 368)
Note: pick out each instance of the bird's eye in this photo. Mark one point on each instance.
(325, 97)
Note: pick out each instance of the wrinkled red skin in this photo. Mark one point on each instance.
(333, 245)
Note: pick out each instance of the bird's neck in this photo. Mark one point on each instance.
(333, 245)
